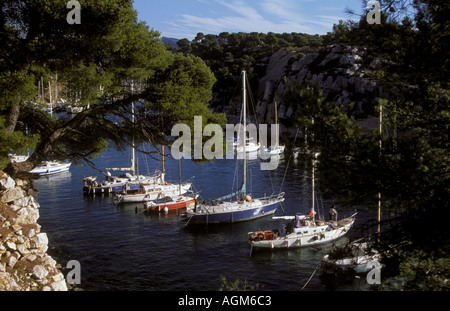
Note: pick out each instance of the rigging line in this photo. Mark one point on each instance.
(252, 100)
(288, 162)
(146, 160)
(315, 270)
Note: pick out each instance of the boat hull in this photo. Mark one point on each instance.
(165, 190)
(51, 169)
(232, 215)
(357, 265)
(308, 237)
(181, 202)
(359, 260)
(108, 188)
(116, 184)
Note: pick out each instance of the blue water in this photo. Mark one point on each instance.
(119, 249)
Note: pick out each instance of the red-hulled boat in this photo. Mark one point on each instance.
(171, 203)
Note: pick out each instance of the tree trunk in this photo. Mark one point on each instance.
(12, 117)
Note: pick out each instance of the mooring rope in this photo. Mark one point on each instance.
(309, 279)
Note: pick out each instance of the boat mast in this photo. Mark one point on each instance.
(313, 188)
(276, 125)
(162, 148)
(244, 92)
(379, 193)
(56, 89)
(179, 175)
(132, 168)
(133, 151)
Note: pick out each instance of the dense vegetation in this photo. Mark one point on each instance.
(112, 60)
(104, 64)
(227, 54)
(408, 164)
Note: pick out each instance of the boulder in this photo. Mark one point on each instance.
(10, 195)
(6, 182)
(40, 240)
(39, 272)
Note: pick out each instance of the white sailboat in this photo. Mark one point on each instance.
(153, 191)
(301, 231)
(278, 149)
(157, 189)
(246, 145)
(249, 147)
(356, 257)
(114, 184)
(245, 207)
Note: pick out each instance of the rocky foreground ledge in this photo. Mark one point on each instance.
(24, 262)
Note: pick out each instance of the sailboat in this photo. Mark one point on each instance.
(152, 191)
(114, 184)
(175, 202)
(276, 150)
(171, 203)
(158, 189)
(301, 230)
(356, 257)
(249, 147)
(245, 207)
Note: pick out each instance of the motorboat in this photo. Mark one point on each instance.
(51, 167)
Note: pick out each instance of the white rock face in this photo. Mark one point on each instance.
(6, 182)
(337, 71)
(24, 263)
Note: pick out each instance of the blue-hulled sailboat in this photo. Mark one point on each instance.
(245, 207)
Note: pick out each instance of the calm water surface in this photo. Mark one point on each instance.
(119, 249)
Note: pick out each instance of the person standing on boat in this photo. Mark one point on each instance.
(333, 213)
(297, 223)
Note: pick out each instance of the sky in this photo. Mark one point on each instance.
(185, 18)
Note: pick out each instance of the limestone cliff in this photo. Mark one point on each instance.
(343, 74)
(24, 262)
(339, 72)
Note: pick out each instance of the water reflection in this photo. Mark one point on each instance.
(120, 247)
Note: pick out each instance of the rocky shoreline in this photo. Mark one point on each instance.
(24, 262)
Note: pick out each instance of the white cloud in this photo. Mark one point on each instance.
(256, 16)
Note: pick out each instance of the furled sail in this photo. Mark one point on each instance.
(241, 190)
